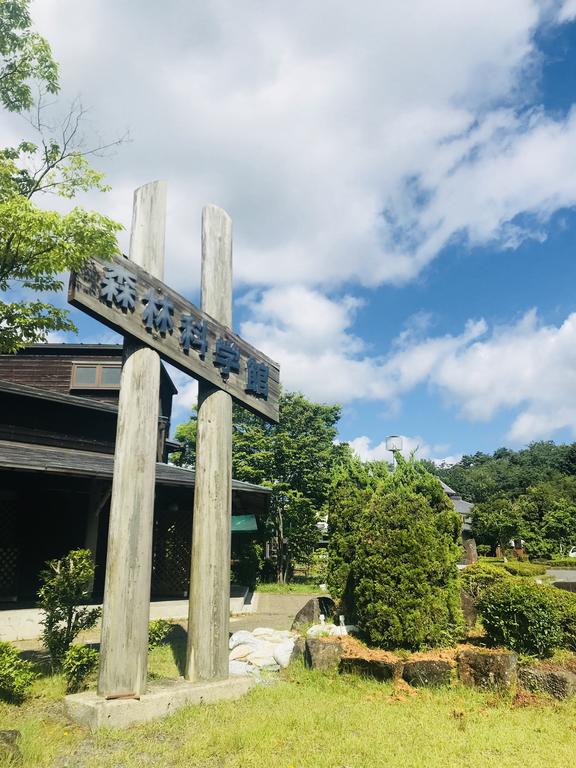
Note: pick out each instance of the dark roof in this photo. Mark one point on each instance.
(56, 397)
(65, 461)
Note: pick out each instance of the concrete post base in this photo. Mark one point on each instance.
(161, 699)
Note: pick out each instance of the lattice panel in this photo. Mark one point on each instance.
(9, 551)
(171, 553)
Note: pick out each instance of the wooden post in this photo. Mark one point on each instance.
(124, 642)
(209, 609)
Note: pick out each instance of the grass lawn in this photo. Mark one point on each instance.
(307, 720)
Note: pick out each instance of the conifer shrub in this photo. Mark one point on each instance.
(524, 616)
(352, 487)
(406, 584)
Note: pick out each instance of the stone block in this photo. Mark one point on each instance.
(488, 669)
(162, 698)
(558, 683)
(299, 650)
(310, 611)
(427, 672)
(468, 608)
(374, 668)
(323, 654)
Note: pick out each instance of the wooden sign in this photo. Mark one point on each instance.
(128, 299)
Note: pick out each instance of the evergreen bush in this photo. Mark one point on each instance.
(16, 674)
(524, 616)
(79, 663)
(566, 602)
(406, 583)
(65, 586)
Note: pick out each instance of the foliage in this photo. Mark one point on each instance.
(508, 473)
(79, 663)
(158, 631)
(523, 569)
(566, 602)
(38, 244)
(523, 616)
(294, 458)
(404, 576)
(352, 486)
(247, 561)
(65, 585)
(497, 520)
(567, 562)
(478, 577)
(16, 674)
(25, 57)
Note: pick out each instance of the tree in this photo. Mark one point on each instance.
(294, 458)
(404, 577)
(496, 521)
(352, 487)
(37, 244)
(25, 57)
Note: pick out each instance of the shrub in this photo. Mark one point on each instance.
(567, 605)
(158, 631)
(524, 569)
(247, 561)
(483, 550)
(16, 674)
(65, 585)
(567, 562)
(523, 616)
(406, 584)
(79, 662)
(476, 578)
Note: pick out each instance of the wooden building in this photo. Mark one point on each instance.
(58, 410)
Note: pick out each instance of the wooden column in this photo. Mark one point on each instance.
(209, 611)
(124, 643)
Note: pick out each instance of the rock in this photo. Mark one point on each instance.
(375, 668)
(322, 654)
(558, 683)
(299, 650)
(427, 672)
(488, 669)
(9, 750)
(468, 608)
(310, 612)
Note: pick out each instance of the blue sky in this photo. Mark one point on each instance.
(402, 183)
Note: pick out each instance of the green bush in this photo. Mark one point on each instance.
(158, 631)
(524, 569)
(79, 663)
(247, 560)
(405, 581)
(567, 605)
(16, 674)
(566, 562)
(65, 585)
(476, 578)
(523, 616)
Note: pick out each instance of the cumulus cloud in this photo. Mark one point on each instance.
(364, 448)
(347, 146)
(526, 368)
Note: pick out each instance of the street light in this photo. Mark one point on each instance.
(393, 444)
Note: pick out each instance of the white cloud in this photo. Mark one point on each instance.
(525, 367)
(363, 448)
(567, 11)
(306, 121)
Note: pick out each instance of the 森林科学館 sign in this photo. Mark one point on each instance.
(128, 299)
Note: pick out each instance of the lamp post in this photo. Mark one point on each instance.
(393, 444)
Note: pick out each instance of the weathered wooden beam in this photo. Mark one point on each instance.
(124, 642)
(209, 609)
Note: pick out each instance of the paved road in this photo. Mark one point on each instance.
(562, 574)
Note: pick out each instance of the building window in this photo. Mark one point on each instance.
(95, 376)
